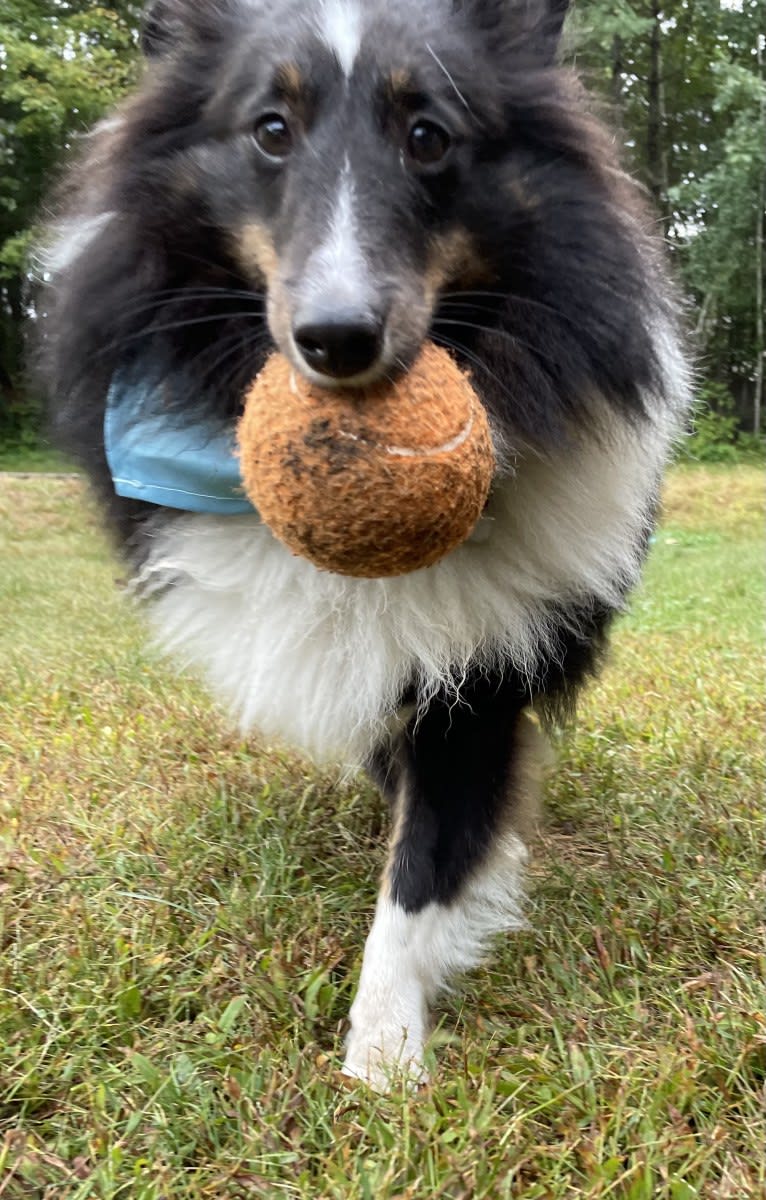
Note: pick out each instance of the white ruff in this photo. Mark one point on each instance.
(320, 660)
(70, 240)
(408, 958)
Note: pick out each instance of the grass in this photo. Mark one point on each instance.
(182, 914)
(33, 459)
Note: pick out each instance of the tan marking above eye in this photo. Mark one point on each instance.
(289, 81)
(400, 81)
(523, 196)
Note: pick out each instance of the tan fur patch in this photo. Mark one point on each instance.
(534, 759)
(289, 82)
(399, 82)
(278, 309)
(395, 837)
(255, 251)
(453, 258)
(522, 196)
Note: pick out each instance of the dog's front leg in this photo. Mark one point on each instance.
(460, 781)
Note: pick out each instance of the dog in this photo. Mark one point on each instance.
(342, 180)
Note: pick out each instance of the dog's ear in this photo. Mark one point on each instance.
(543, 20)
(535, 23)
(555, 17)
(160, 27)
(169, 23)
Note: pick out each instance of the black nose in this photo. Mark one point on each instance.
(339, 344)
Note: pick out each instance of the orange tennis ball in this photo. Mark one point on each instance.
(370, 482)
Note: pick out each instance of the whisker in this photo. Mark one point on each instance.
(234, 343)
(186, 296)
(205, 289)
(454, 86)
(472, 357)
(502, 333)
(208, 262)
(171, 325)
(505, 297)
(227, 380)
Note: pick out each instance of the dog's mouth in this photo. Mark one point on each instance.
(341, 322)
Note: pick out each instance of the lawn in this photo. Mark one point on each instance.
(34, 459)
(182, 913)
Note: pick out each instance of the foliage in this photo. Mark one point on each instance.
(715, 435)
(719, 264)
(683, 78)
(63, 63)
(698, 140)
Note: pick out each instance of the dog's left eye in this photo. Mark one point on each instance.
(428, 143)
(273, 136)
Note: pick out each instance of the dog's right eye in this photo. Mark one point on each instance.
(428, 144)
(273, 136)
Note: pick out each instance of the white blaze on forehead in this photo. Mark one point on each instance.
(340, 27)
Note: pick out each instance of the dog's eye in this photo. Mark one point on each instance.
(427, 143)
(273, 136)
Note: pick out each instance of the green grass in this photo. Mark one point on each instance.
(182, 914)
(33, 459)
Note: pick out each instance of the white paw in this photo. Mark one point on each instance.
(385, 1054)
(387, 1037)
(389, 1017)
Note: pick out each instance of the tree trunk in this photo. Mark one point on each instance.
(11, 354)
(760, 217)
(655, 121)
(616, 86)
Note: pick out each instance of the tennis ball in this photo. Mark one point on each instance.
(373, 481)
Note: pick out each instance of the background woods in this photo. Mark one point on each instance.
(686, 83)
(685, 80)
(63, 63)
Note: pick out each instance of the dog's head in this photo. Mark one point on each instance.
(346, 178)
(345, 152)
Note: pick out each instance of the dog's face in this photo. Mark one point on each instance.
(343, 148)
(347, 178)
(351, 152)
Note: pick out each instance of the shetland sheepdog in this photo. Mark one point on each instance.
(341, 180)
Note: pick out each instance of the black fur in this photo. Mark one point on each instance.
(454, 773)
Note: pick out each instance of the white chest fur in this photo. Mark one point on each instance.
(320, 661)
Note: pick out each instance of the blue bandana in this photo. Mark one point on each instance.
(167, 459)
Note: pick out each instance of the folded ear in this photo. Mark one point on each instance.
(555, 17)
(537, 22)
(544, 20)
(160, 27)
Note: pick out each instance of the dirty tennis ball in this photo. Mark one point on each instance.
(371, 481)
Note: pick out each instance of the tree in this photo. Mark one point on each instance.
(685, 78)
(62, 64)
